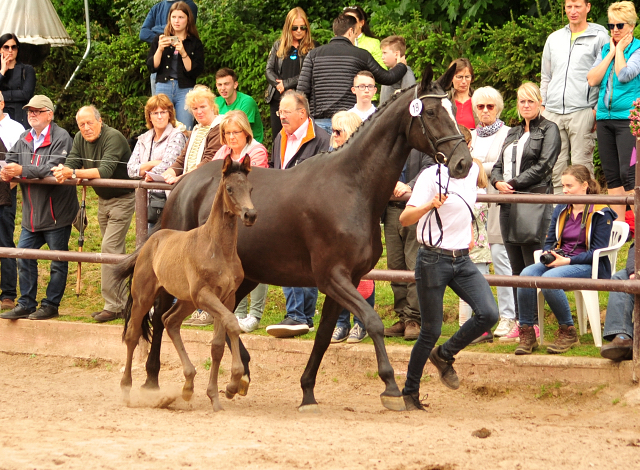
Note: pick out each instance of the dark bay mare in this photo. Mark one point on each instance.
(201, 268)
(319, 222)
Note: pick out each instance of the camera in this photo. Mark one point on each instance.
(548, 258)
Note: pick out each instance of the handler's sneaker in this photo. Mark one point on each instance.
(249, 323)
(356, 334)
(448, 374)
(504, 327)
(288, 328)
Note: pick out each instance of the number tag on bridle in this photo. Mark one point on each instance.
(415, 107)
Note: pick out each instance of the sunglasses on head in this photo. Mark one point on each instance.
(615, 25)
(488, 106)
(294, 54)
(296, 28)
(13, 47)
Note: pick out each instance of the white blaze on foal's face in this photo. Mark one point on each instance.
(446, 104)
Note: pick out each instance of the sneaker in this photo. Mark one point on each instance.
(340, 333)
(504, 327)
(448, 374)
(567, 338)
(528, 340)
(357, 334)
(311, 327)
(484, 338)
(536, 328)
(203, 319)
(411, 330)
(412, 402)
(249, 323)
(513, 336)
(619, 349)
(44, 313)
(396, 330)
(288, 328)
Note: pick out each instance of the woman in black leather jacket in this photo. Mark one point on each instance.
(285, 61)
(17, 80)
(528, 155)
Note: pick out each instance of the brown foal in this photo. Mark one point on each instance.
(201, 268)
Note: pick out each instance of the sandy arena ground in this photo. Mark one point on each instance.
(65, 413)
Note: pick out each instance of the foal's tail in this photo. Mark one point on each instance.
(123, 273)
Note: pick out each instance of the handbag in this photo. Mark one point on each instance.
(155, 207)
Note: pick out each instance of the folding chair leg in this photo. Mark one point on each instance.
(581, 312)
(592, 307)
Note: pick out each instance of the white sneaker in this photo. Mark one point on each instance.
(504, 327)
(249, 323)
(513, 336)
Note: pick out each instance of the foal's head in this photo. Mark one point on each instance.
(237, 189)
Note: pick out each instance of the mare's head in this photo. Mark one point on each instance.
(236, 189)
(433, 126)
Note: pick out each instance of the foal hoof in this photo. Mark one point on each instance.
(187, 394)
(229, 394)
(126, 396)
(243, 386)
(393, 403)
(310, 409)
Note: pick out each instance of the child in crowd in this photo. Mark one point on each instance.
(364, 87)
(393, 51)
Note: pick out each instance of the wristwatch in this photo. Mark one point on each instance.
(73, 174)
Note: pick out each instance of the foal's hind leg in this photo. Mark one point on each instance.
(172, 321)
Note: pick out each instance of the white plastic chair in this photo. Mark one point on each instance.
(587, 303)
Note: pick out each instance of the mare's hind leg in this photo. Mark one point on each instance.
(172, 321)
(343, 291)
(163, 304)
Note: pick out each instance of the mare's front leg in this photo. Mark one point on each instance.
(343, 291)
(164, 302)
(245, 288)
(172, 321)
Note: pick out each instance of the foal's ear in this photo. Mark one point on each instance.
(427, 76)
(226, 166)
(246, 164)
(447, 78)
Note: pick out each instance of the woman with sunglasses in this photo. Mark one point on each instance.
(461, 92)
(285, 61)
(17, 80)
(365, 39)
(617, 70)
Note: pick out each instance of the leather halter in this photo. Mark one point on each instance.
(440, 157)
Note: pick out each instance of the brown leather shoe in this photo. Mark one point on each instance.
(411, 330)
(620, 349)
(105, 316)
(7, 304)
(396, 330)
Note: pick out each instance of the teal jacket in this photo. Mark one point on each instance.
(622, 95)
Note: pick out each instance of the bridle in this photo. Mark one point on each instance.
(440, 157)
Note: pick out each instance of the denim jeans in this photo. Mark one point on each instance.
(344, 317)
(9, 270)
(464, 309)
(619, 311)
(556, 298)
(152, 80)
(301, 303)
(325, 124)
(57, 239)
(434, 272)
(258, 299)
(177, 96)
(501, 266)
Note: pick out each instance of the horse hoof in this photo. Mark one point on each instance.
(393, 403)
(187, 394)
(229, 394)
(243, 386)
(311, 409)
(150, 386)
(126, 396)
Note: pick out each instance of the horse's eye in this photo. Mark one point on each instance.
(229, 189)
(430, 112)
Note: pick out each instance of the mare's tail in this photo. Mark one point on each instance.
(123, 272)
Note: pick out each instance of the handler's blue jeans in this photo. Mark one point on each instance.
(619, 311)
(556, 298)
(301, 303)
(57, 239)
(434, 272)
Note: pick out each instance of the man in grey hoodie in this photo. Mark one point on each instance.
(567, 98)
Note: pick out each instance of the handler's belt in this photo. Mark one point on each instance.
(398, 204)
(442, 251)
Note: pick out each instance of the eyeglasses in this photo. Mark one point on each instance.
(481, 107)
(13, 47)
(463, 77)
(301, 28)
(233, 133)
(37, 112)
(285, 113)
(364, 87)
(337, 132)
(159, 113)
(611, 26)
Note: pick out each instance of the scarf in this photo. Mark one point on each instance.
(486, 131)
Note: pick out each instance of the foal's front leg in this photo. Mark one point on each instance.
(172, 321)
(217, 351)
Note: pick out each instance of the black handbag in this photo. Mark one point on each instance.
(155, 207)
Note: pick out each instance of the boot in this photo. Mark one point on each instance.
(396, 330)
(528, 340)
(567, 338)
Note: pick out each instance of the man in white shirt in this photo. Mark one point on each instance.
(10, 132)
(364, 87)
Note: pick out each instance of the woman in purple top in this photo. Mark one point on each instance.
(577, 230)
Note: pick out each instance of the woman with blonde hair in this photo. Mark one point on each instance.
(177, 56)
(617, 71)
(237, 140)
(285, 61)
(343, 124)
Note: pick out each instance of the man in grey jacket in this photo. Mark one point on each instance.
(567, 98)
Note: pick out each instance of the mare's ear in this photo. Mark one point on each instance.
(226, 167)
(427, 77)
(246, 164)
(447, 78)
